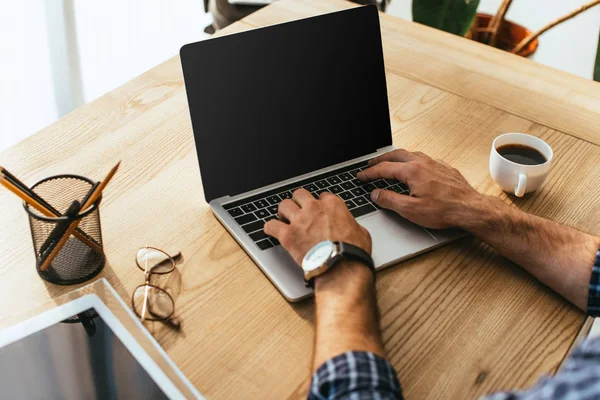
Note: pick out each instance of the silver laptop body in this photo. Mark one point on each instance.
(309, 96)
(394, 238)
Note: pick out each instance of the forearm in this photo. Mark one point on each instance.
(559, 256)
(346, 313)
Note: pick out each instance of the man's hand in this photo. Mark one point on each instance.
(559, 256)
(346, 308)
(439, 194)
(312, 221)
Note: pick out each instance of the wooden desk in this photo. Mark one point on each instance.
(458, 322)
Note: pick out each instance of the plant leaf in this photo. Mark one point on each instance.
(597, 67)
(454, 16)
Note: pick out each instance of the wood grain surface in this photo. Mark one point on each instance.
(458, 322)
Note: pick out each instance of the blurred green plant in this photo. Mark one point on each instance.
(457, 17)
(454, 16)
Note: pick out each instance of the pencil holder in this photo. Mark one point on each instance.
(82, 256)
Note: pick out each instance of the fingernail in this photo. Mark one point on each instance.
(375, 195)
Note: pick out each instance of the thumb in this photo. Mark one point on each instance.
(391, 200)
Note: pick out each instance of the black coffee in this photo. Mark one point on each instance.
(521, 154)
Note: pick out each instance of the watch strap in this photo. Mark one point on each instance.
(353, 252)
(349, 252)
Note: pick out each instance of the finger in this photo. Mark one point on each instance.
(331, 198)
(399, 155)
(302, 197)
(288, 209)
(399, 203)
(420, 154)
(386, 169)
(275, 228)
(326, 195)
(444, 163)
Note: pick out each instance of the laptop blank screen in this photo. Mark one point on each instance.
(277, 102)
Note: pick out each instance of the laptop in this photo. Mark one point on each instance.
(300, 104)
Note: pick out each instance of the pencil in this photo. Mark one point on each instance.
(61, 226)
(27, 198)
(16, 182)
(91, 200)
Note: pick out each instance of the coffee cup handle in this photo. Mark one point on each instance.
(520, 189)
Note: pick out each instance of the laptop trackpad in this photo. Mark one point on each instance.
(394, 237)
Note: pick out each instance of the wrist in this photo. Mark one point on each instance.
(483, 214)
(345, 278)
(345, 296)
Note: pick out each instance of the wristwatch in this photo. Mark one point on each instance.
(326, 254)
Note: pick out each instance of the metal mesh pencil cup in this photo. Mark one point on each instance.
(77, 261)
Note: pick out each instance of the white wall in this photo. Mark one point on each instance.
(119, 39)
(26, 92)
(116, 41)
(570, 46)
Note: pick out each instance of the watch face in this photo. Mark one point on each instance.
(317, 255)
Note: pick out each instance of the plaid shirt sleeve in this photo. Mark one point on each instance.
(578, 379)
(355, 376)
(365, 376)
(594, 292)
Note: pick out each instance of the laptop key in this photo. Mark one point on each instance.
(404, 186)
(274, 241)
(359, 201)
(357, 182)
(253, 226)
(286, 195)
(355, 171)
(248, 207)
(244, 219)
(391, 181)
(350, 204)
(322, 184)
(369, 187)
(345, 176)
(262, 213)
(311, 187)
(381, 184)
(264, 244)
(235, 212)
(362, 210)
(395, 188)
(274, 199)
(318, 192)
(358, 191)
(335, 189)
(347, 185)
(334, 180)
(262, 203)
(258, 235)
(273, 209)
(346, 195)
(270, 217)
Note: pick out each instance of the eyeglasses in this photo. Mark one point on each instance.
(150, 302)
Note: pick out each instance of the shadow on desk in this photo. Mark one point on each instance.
(107, 272)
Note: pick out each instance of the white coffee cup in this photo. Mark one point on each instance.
(519, 178)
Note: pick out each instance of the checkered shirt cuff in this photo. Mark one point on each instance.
(594, 295)
(355, 376)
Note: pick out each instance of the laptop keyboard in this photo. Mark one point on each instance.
(252, 213)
